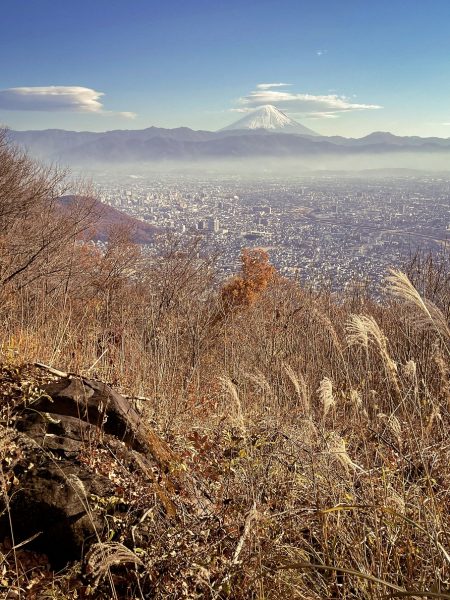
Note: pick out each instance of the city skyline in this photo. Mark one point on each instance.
(339, 69)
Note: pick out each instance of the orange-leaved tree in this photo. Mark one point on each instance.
(256, 274)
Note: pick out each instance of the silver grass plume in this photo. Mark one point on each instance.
(300, 387)
(428, 314)
(104, 555)
(410, 370)
(325, 391)
(231, 389)
(337, 448)
(363, 330)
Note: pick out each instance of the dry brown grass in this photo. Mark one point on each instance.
(334, 439)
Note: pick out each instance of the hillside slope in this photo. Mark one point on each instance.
(107, 217)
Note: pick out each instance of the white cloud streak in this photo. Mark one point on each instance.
(307, 105)
(56, 99)
(323, 115)
(268, 86)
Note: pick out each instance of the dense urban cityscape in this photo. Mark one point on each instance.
(327, 229)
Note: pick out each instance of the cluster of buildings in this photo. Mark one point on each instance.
(327, 229)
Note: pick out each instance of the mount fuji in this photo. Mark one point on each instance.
(268, 117)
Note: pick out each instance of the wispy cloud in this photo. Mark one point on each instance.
(268, 86)
(323, 115)
(56, 98)
(310, 105)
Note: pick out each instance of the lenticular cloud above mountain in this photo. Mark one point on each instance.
(270, 118)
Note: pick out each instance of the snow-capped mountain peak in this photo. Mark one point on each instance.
(270, 118)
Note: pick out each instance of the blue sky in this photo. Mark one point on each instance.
(353, 66)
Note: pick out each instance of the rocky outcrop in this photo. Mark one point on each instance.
(96, 404)
(82, 468)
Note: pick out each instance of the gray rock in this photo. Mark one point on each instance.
(50, 499)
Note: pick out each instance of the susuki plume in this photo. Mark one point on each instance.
(429, 314)
(336, 447)
(363, 329)
(231, 389)
(325, 391)
(300, 387)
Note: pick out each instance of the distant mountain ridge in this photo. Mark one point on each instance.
(157, 144)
